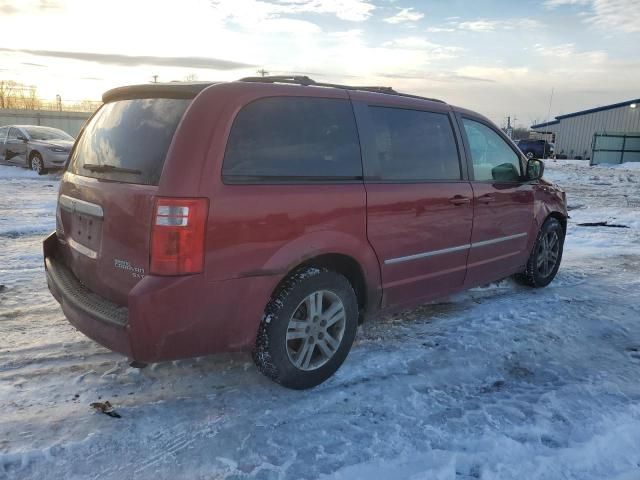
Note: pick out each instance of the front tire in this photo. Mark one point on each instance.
(307, 329)
(37, 164)
(544, 260)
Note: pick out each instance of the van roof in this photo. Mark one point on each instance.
(306, 81)
(191, 89)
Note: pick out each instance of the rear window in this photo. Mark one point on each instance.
(127, 140)
(293, 138)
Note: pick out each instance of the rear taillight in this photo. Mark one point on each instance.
(178, 235)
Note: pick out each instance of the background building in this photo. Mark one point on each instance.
(614, 131)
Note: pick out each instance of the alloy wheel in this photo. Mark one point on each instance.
(315, 330)
(36, 164)
(548, 252)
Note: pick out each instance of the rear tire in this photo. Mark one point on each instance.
(307, 329)
(546, 255)
(37, 164)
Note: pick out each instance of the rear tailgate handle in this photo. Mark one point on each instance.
(75, 205)
(459, 200)
(487, 198)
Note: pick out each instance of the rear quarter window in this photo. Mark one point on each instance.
(127, 140)
(293, 138)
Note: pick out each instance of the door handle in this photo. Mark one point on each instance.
(459, 200)
(487, 198)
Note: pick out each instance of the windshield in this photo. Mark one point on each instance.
(46, 134)
(127, 140)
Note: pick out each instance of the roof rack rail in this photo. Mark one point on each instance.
(306, 81)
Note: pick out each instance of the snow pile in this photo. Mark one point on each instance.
(499, 382)
(27, 202)
(10, 172)
(624, 166)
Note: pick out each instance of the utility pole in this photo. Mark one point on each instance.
(155, 79)
(263, 72)
(509, 129)
(550, 102)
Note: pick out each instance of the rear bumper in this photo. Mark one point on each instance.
(166, 318)
(97, 318)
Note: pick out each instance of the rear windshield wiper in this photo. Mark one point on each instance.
(94, 167)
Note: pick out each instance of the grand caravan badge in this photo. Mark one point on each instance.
(136, 272)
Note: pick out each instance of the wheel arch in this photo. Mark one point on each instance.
(560, 217)
(32, 153)
(546, 207)
(343, 252)
(347, 266)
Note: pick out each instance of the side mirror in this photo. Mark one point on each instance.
(535, 169)
(23, 138)
(505, 172)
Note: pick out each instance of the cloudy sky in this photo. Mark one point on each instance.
(499, 57)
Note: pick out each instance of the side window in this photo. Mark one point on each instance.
(294, 137)
(13, 134)
(415, 145)
(492, 157)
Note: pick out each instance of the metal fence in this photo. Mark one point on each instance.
(69, 106)
(615, 148)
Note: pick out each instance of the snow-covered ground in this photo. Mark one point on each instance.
(501, 382)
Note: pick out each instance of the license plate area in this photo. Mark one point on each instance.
(82, 223)
(86, 230)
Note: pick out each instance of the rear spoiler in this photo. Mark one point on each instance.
(156, 90)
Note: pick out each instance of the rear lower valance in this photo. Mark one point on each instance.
(77, 295)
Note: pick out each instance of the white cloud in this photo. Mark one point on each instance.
(486, 25)
(287, 25)
(242, 11)
(559, 3)
(9, 7)
(433, 50)
(497, 74)
(351, 10)
(562, 50)
(525, 23)
(567, 51)
(354, 33)
(286, 36)
(405, 15)
(616, 15)
(440, 29)
(479, 25)
(612, 15)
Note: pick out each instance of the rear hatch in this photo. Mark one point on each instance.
(107, 194)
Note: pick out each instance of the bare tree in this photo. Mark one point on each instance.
(6, 93)
(28, 98)
(520, 133)
(18, 95)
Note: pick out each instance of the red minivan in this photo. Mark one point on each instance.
(272, 215)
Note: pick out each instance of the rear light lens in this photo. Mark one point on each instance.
(178, 235)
